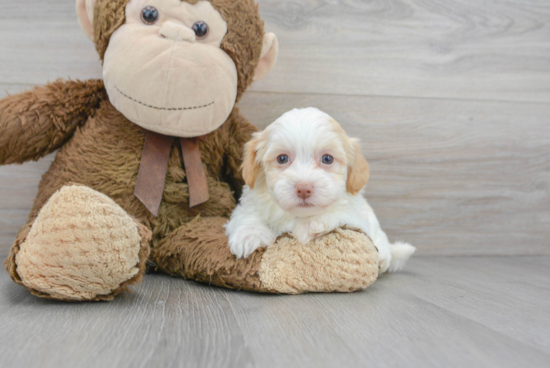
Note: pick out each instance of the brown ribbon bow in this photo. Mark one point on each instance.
(154, 166)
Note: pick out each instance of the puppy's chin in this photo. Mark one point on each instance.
(301, 208)
(306, 211)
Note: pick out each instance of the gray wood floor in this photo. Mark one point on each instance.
(452, 102)
(440, 312)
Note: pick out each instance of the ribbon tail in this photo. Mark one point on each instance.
(196, 177)
(152, 171)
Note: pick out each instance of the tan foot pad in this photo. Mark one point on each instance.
(81, 246)
(342, 261)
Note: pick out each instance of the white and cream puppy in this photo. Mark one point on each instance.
(305, 177)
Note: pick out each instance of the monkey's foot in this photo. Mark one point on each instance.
(82, 246)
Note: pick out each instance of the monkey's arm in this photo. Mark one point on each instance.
(240, 132)
(37, 122)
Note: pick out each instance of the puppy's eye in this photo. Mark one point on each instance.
(327, 159)
(283, 159)
(149, 15)
(201, 30)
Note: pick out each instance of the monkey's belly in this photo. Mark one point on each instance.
(175, 203)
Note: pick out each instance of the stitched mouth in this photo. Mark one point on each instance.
(163, 108)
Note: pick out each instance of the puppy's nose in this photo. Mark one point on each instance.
(304, 190)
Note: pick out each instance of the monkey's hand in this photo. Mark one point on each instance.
(36, 123)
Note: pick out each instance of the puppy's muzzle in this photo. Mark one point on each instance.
(304, 190)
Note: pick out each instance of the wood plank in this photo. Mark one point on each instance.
(452, 177)
(490, 49)
(387, 326)
(488, 291)
(167, 323)
(442, 311)
(493, 49)
(42, 41)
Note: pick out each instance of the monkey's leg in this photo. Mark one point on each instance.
(81, 246)
(342, 261)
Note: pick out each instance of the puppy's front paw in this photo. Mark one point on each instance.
(319, 227)
(305, 232)
(244, 242)
(302, 233)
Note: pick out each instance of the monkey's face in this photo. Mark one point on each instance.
(164, 69)
(176, 67)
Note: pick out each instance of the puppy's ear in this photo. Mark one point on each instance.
(358, 170)
(251, 166)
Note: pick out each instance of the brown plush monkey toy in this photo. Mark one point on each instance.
(148, 169)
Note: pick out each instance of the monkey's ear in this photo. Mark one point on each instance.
(85, 13)
(268, 58)
(251, 166)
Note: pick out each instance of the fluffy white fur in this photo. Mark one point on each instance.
(271, 205)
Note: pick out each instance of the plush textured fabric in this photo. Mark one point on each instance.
(198, 251)
(243, 41)
(268, 57)
(84, 12)
(81, 246)
(342, 261)
(186, 99)
(37, 122)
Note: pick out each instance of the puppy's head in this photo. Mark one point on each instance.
(305, 161)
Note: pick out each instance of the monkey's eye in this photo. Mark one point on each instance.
(283, 159)
(327, 159)
(149, 15)
(201, 29)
